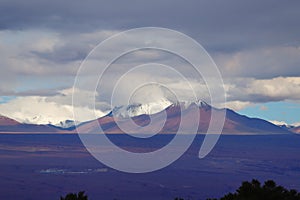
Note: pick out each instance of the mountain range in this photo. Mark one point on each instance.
(146, 120)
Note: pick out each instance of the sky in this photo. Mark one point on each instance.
(255, 44)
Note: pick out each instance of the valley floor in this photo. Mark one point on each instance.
(48, 166)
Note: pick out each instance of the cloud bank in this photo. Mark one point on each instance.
(256, 46)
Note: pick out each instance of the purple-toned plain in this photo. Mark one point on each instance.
(47, 166)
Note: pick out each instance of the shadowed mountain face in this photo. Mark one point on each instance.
(243, 124)
(234, 122)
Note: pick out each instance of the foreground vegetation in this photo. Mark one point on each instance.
(74, 196)
(247, 191)
(255, 191)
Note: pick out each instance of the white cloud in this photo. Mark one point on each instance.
(236, 105)
(284, 123)
(264, 90)
(45, 110)
(296, 124)
(279, 123)
(281, 87)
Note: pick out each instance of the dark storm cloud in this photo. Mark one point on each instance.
(263, 63)
(253, 39)
(65, 54)
(218, 25)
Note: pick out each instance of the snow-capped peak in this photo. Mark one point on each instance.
(199, 103)
(150, 108)
(137, 109)
(39, 119)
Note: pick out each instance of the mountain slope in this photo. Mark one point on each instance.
(8, 125)
(296, 129)
(143, 119)
(250, 125)
(5, 121)
(234, 122)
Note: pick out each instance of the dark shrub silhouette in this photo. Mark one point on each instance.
(74, 196)
(254, 191)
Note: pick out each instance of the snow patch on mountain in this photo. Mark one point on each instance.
(199, 103)
(150, 108)
(44, 120)
(137, 109)
(66, 124)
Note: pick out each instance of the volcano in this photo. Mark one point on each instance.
(168, 121)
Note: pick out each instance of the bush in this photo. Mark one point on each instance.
(254, 191)
(74, 196)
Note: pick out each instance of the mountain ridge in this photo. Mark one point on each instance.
(8, 125)
(234, 122)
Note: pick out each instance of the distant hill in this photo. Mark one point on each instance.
(8, 125)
